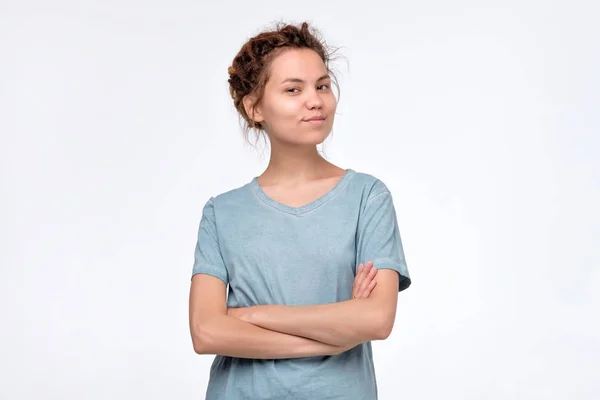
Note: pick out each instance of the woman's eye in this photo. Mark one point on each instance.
(296, 90)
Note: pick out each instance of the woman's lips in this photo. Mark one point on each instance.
(316, 121)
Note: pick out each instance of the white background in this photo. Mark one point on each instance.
(482, 118)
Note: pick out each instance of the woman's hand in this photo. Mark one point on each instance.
(364, 282)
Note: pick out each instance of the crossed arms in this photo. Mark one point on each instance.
(276, 331)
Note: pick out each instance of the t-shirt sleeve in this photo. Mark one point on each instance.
(207, 255)
(378, 236)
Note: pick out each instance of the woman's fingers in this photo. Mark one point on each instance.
(371, 287)
(365, 289)
(357, 280)
(364, 281)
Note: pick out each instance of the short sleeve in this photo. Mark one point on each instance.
(207, 255)
(378, 236)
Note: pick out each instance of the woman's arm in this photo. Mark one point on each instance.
(345, 323)
(214, 332)
(229, 336)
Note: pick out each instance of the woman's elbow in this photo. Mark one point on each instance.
(383, 327)
(200, 347)
(200, 339)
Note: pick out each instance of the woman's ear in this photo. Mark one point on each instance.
(252, 110)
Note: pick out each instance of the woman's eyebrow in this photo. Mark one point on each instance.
(298, 80)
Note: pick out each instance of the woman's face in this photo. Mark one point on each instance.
(299, 88)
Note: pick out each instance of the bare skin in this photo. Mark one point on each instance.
(303, 190)
(218, 330)
(298, 90)
(365, 280)
(367, 316)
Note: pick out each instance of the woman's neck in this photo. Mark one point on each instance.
(296, 165)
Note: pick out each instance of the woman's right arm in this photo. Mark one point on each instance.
(214, 332)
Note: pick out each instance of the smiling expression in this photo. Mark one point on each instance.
(298, 105)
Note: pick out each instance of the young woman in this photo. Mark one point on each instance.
(297, 271)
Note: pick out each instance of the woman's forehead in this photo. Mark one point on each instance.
(297, 64)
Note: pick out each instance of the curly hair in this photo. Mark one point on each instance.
(249, 71)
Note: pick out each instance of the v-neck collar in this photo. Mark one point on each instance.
(257, 189)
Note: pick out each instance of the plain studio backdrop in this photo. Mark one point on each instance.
(482, 118)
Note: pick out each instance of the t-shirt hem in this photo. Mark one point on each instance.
(398, 266)
(209, 270)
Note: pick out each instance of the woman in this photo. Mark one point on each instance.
(310, 252)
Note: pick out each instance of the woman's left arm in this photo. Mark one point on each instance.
(346, 323)
(358, 320)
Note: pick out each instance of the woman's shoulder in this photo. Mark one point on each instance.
(231, 195)
(368, 183)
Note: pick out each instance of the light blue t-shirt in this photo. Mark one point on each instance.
(271, 253)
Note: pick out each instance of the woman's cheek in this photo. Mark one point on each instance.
(291, 106)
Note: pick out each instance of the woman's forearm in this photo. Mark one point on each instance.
(345, 323)
(229, 336)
